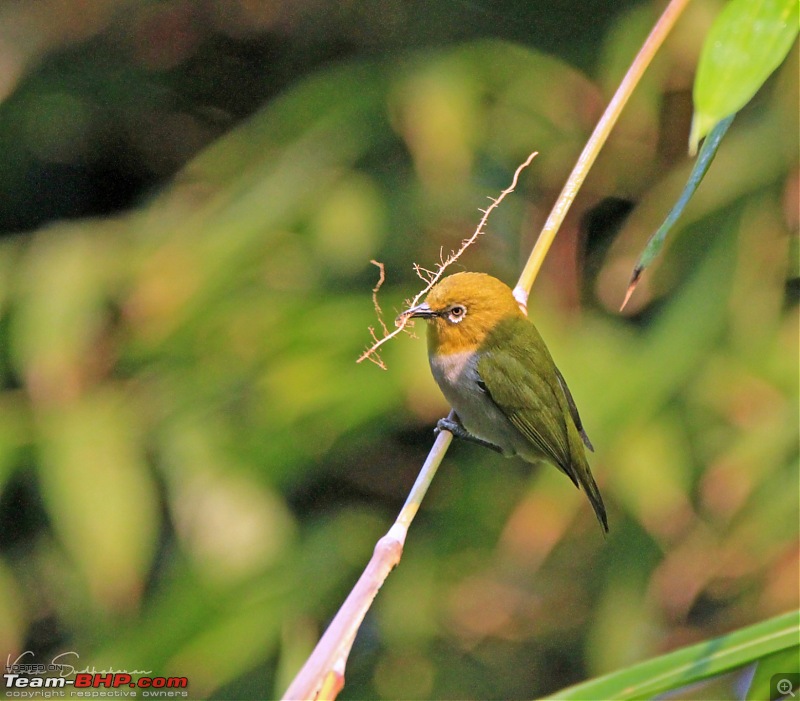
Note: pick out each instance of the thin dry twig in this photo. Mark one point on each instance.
(381, 279)
(431, 277)
(375, 357)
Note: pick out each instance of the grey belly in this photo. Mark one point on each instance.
(458, 378)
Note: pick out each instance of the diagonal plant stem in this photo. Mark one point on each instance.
(323, 672)
(593, 146)
(324, 669)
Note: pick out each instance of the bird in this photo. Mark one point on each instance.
(494, 368)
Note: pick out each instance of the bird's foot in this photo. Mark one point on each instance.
(459, 431)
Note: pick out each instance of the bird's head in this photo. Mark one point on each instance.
(462, 309)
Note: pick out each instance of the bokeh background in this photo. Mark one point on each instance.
(193, 468)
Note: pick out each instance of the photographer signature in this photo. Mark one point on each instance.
(25, 664)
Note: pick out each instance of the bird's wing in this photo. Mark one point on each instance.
(521, 378)
(516, 375)
(573, 410)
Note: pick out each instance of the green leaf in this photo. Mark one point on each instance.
(747, 42)
(692, 664)
(701, 166)
(61, 305)
(99, 494)
(784, 661)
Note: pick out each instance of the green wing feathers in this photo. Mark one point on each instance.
(523, 381)
(573, 410)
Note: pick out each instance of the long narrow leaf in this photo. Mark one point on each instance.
(701, 166)
(692, 664)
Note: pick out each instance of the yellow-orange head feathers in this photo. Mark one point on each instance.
(463, 308)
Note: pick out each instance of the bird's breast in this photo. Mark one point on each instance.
(458, 378)
(454, 369)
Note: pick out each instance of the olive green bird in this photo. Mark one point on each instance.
(495, 370)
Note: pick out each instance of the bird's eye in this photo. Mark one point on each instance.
(457, 313)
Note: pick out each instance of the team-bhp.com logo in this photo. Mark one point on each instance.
(26, 679)
(95, 681)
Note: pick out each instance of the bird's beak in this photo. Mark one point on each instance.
(422, 311)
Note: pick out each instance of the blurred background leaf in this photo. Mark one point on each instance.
(193, 469)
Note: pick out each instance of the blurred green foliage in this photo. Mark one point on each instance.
(193, 469)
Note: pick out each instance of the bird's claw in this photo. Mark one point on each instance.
(448, 425)
(459, 431)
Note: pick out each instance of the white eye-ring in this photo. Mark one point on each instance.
(456, 313)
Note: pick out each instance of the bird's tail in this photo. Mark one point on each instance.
(582, 475)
